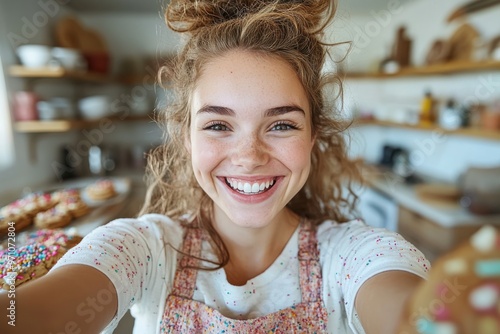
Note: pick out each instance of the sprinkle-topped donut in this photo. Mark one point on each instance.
(37, 254)
(462, 295)
(27, 263)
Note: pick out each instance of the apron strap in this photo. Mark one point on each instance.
(185, 275)
(309, 266)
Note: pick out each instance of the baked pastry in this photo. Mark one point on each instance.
(56, 217)
(65, 194)
(14, 221)
(101, 190)
(462, 294)
(45, 209)
(38, 254)
(34, 203)
(75, 206)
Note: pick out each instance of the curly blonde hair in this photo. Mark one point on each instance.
(290, 30)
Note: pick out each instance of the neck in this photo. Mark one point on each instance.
(253, 250)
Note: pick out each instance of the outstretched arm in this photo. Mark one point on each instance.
(381, 300)
(71, 299)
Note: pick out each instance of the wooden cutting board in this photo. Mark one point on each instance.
(462, 43)
(70, 33)
(439, 194)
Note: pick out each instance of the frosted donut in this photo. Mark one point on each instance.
(56, 217)
(101, 190)
(76, 207)
(14, 221)
(36, 254)
(27, 263)
(462, 294)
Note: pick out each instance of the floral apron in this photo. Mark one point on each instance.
(184, 315)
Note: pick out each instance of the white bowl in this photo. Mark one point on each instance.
(46, 111)
(95, 107)
(33, 55)
(69, 58)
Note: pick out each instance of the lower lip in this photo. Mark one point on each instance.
(252, 199)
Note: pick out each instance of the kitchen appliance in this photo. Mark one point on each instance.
(481, 189)
(389, 153)
(101, 160)
(378, 209)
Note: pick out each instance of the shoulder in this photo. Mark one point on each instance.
(148, 228)
(330, 231)
(355, 240)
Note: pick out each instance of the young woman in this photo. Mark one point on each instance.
(243, 228)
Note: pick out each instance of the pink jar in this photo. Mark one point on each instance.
(25, 106)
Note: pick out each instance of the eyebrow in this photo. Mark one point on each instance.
(269, 112)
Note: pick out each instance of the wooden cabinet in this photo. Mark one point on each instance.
(429, 237)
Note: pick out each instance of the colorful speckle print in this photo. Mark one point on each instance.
(184, 315)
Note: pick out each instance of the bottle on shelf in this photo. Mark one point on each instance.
(427, 109)
(450, 117)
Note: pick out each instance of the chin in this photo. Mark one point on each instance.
(250, 220)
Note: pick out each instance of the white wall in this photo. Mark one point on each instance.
(373, 35)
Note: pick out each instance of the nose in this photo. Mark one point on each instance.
(250, 152)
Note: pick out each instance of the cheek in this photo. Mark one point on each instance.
(205, 154)
(296, 155)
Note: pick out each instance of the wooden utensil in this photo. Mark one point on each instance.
(439, 52)
(462, 43)
(472, 7)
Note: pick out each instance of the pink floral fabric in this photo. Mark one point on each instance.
(185, 315)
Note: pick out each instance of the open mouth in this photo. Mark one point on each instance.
(250, 188)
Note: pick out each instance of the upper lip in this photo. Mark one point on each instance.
(250, 178)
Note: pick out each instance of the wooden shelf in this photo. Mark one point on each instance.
(58, 73)
(467, 132)
(439, 69)
(68, 125)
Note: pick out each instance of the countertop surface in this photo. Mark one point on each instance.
(445, 214)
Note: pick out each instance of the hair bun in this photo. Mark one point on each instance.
(191, 15)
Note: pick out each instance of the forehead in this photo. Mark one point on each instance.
(248, 80)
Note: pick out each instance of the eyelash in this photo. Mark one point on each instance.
(212, 126)
(287, 124)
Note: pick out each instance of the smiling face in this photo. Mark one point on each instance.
(251, 137)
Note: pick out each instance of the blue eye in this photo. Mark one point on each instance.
(283, 127)
(217, 127)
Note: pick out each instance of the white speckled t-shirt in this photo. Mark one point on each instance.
(137, 257)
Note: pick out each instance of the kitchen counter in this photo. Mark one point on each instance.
(446, 215)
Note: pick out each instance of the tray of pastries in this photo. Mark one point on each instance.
(71, 204)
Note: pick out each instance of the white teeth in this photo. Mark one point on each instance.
(247, 188)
